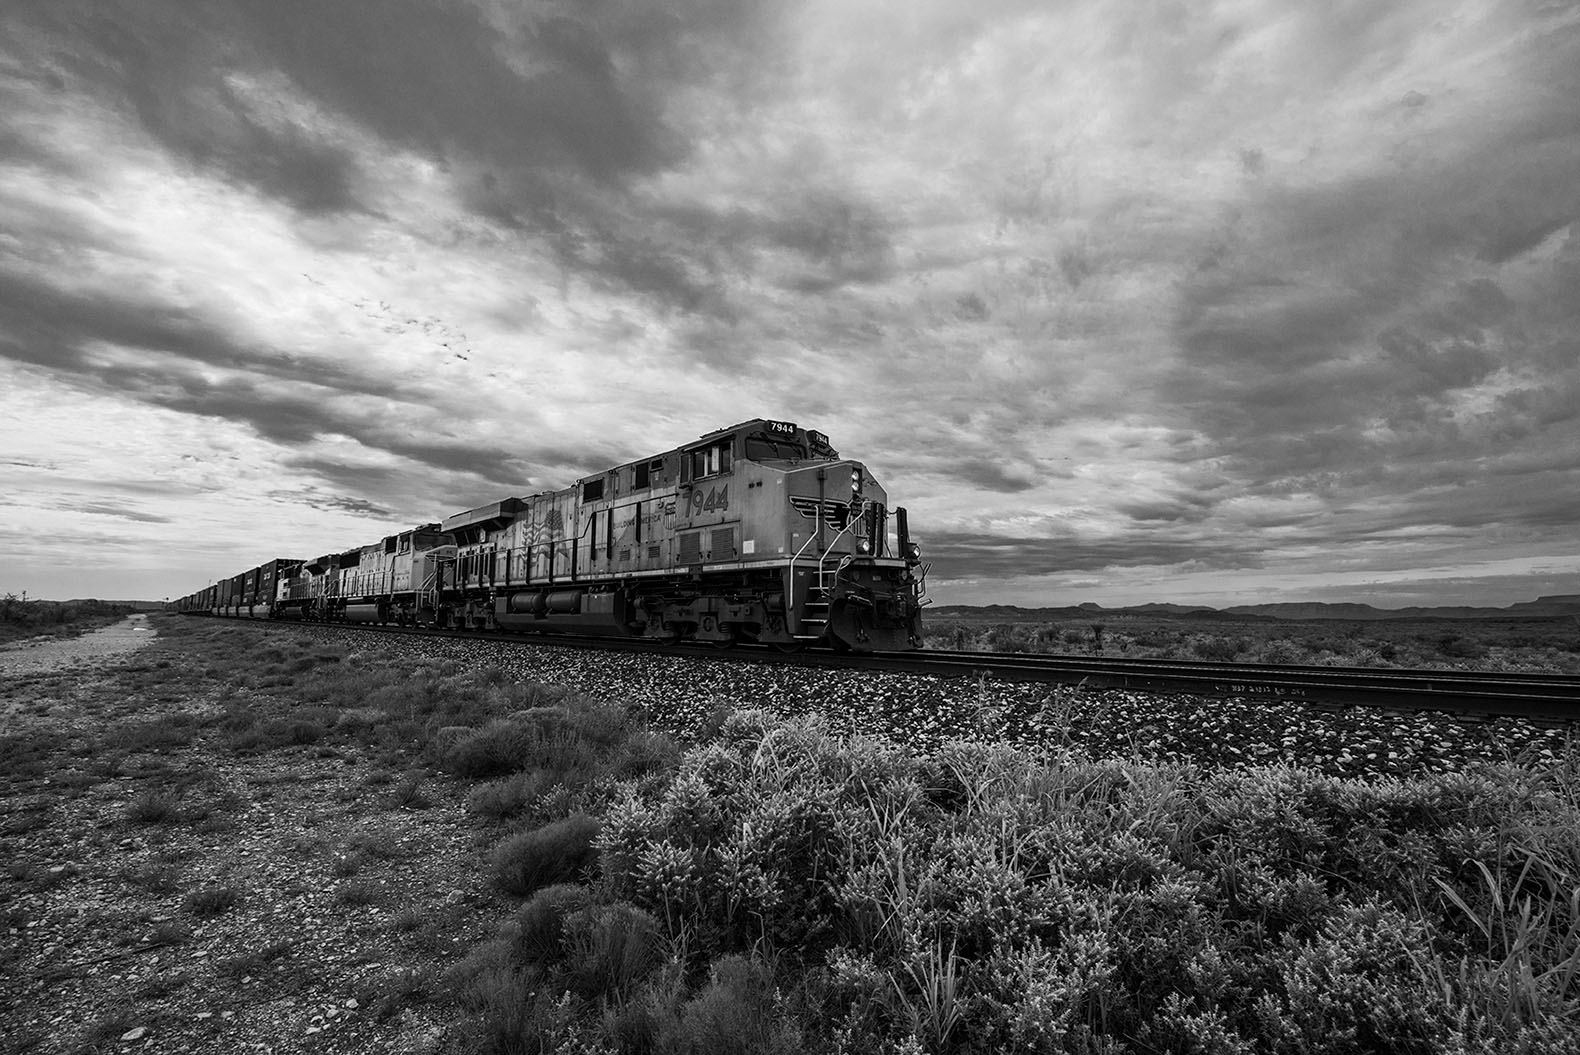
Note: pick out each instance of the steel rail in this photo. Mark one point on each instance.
(1547, 697)
(1541, 697)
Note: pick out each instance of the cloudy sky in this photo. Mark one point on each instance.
(1126, 300)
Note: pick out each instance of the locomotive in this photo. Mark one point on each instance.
(759, 532)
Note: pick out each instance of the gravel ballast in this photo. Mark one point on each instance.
(922, 711)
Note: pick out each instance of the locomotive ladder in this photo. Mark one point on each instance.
(820, 596)
(432, 582)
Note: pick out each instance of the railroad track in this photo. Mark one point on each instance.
(1542, 697)
(1548, 698)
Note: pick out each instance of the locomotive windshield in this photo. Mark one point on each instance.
(782, 441)
(761, 448)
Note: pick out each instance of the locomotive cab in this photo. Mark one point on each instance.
(769, 494)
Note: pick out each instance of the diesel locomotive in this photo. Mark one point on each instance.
(760, 532)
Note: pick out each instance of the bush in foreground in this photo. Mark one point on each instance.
(554, 853)
(816, 893)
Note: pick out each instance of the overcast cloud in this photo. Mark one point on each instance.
(1126, 301)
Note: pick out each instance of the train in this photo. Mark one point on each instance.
(760, 532)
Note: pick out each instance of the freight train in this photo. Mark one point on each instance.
(760, 532)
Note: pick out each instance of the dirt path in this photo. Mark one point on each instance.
(47, 655)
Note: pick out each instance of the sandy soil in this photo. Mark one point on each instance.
(49, 654)
(164, 893)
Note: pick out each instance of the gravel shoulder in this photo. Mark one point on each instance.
(175, 897)
(49, 654)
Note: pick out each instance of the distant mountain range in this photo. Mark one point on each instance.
(141, 606)
(1541, 608)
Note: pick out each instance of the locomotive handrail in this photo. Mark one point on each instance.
(845, 557)
(823, 585)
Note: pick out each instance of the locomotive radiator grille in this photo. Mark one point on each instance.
(690, 548)
(723, 543)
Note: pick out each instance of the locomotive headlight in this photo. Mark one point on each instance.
(863, 547)
(855, 480)
(913, 552)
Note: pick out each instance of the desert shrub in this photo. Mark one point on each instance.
(643, 752)
(1355, 987)
(408, 794)
(738, 1013)
(557, 739)
(252, 963)
(553, 853)
(171, 730)
(846, 895)
(511, 795)
(504, 746)
(360, 893)
(248, 733)
(609, 950)
(211, 901)
(1006, 639)
(1216, 648)
(154, 878)
(29, 754)
(154, 806)
(1461, 646)
(20, 618)
(383, 997)
(540, 925)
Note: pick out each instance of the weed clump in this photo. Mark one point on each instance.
(208, 902)
(154, 806)
(556, 852)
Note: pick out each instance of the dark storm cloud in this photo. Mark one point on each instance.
(807, 241)
(105, 509)
(841, 240)
(314, 499)
(1183, 509)
(343, 474)
(54, 328)
(287, 400)
(435, 77)
(542, 118)
(1337, 325)
(440, 78)
(167, 67)
(994, 475)
(26, 541)
(281, 398)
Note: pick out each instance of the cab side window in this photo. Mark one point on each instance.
(711, 461)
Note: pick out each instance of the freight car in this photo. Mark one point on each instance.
(759, 532)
